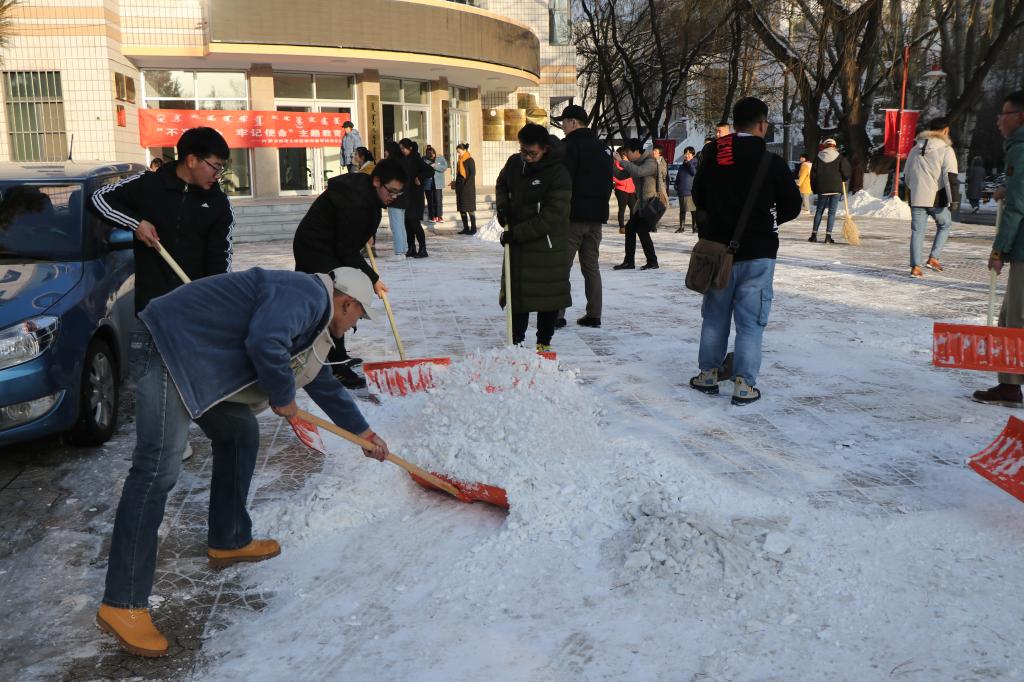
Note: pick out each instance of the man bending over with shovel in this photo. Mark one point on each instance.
(216, 352)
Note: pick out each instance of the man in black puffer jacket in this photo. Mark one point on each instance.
(590, 167)
(181, 207)
(338, 224)
(724, 178)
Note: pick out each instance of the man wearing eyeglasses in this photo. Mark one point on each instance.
(179, 206)
(338, 224)
(1008, 246)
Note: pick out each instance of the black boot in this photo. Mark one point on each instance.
(411, 253)
(1007, 395)
(472, 223)
(348, 377)
(813, 237)
(624, 266)
(829, 240)
(422, 253)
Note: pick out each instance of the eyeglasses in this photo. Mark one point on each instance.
(217, 170)
(395, 193)
(1007, 113)
(528, 154)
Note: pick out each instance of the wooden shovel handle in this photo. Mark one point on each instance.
(387, 305)
(173, 263)
(507, 267)
(367, 445)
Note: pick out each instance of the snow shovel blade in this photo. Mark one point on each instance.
(402, 377)
(470, 492)
(1002, 462)
(968, 346)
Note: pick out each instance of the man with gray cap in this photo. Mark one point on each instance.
(590, 166)
(216, 352)
(349, 144)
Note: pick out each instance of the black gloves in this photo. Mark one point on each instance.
(506, 237)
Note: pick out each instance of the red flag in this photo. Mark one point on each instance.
(908, 121)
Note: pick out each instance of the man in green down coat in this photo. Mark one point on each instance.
(533, 196)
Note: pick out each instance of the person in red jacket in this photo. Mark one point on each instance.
(625, 193)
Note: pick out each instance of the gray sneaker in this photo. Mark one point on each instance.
(743, 393)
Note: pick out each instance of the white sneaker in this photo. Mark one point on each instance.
(187, 452)
(397, 258)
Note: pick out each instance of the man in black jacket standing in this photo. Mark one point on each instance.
(590, 166)
(727, 170)
(338, 224)
(179, 206)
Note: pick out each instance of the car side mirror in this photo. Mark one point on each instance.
(119, 240)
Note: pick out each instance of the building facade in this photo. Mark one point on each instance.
(76, 73)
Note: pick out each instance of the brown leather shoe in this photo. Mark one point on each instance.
(934, 264)
(916, 272)
(133, 629)
(622, 230)
(1007, 395)
(257, 550)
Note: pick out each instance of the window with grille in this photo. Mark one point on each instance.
(559, 28)
(35, 115)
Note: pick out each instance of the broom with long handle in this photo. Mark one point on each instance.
(850, 231)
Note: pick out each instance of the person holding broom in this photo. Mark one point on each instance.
(533, 198)
(1008, 246)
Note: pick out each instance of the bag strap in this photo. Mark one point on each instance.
(748, 205)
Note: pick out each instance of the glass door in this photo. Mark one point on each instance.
(297, 165)
(329, 158)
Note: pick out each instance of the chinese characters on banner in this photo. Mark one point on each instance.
(909, 124)
(163, 127)
(668, 149)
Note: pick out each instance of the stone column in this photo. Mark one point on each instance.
(266, 179)
(476, 137)
(368, 106)
(438, 95)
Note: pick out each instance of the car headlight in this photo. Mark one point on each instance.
(27, 340)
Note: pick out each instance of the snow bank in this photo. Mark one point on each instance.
(490, 231)
(864, 204)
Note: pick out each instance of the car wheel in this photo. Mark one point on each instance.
(99, 396)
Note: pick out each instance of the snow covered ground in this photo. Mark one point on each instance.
(828, 532)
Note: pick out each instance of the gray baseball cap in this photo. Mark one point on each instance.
(356, 284)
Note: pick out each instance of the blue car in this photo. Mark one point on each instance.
(67, 294)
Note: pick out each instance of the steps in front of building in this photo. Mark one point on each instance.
(268, 220)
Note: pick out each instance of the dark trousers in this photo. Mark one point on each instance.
(468, 223)
(545, 326)
(638, 227)
(435, 203)
(414, 228)
(625, 200)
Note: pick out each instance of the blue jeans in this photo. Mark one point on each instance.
(919, 225)
(831, 201)
(747, 299)
(396, 219)
(161, 433)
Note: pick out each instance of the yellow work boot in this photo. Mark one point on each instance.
(257, 550)
(133, 629)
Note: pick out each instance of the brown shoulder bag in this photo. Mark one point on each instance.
(711, 261)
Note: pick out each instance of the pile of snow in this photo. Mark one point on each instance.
(513, 419)
(864, 204)
(670, 542)
(490, 231)
(874, 184)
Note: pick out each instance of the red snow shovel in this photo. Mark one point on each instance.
(1002, 462)
(987, 348)
(305, 426)
(400, 377)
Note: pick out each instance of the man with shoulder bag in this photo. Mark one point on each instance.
(643, 168)
(737, 185)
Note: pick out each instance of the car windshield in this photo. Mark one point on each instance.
(40, 221)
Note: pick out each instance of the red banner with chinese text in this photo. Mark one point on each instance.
(163, 127)
(669, 147)
(906, 140)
